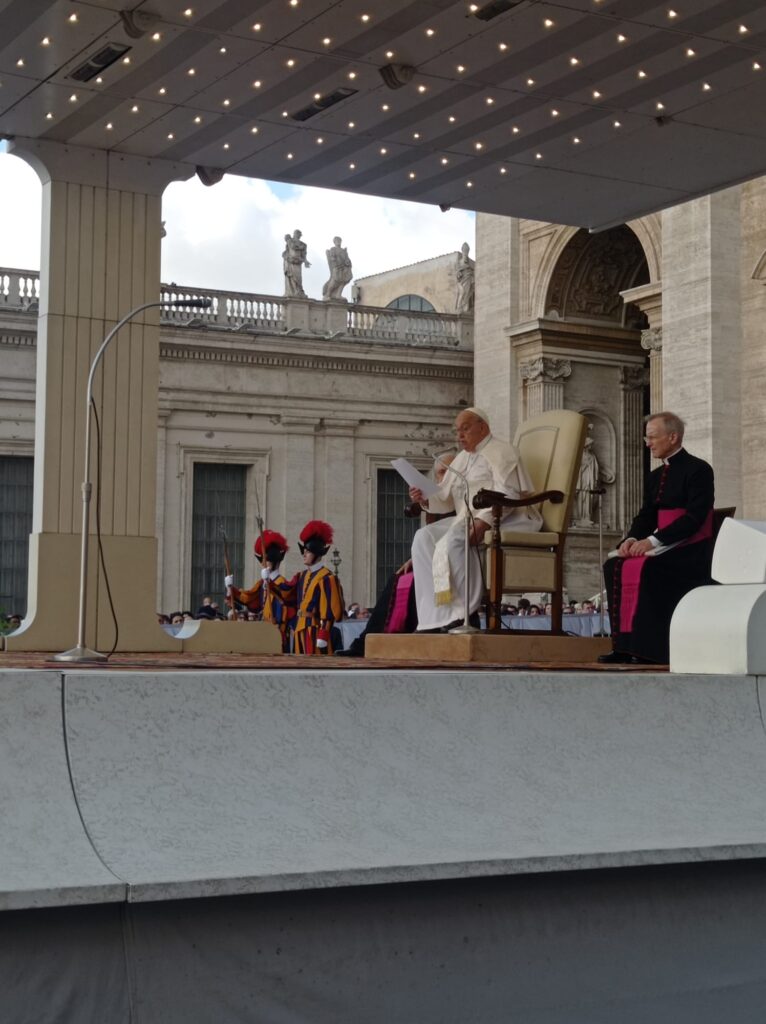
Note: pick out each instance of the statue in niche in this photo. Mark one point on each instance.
(465, 281)
(293, 261)
(340, 272)
(591, 477)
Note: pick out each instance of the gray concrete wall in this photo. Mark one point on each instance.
(191, 784)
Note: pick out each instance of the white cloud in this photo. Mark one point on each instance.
(230, 236)
(20, 205)
(235, 236)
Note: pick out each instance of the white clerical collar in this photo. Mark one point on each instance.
(672, 455)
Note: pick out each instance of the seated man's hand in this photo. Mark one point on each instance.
(624, 549)
(417, 495)
(640, 547)
(478, 530)
(404, 568)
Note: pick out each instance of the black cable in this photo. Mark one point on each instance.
(101, 559)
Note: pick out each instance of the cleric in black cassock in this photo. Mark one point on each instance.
(668, 549)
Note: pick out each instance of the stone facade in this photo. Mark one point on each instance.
(313, 414)
(614, 327)
(434, 280)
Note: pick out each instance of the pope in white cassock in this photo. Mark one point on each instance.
(438, 550)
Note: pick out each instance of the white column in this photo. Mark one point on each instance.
(633, 380)
(100, 259)
(702, 331)
(299, 441)
(651, 341)
(544, 384)
(337, 506)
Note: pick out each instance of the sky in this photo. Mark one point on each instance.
(230, 236)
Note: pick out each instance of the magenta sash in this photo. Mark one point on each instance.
(633, 567)
(397, 620)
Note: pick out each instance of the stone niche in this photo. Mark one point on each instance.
(584, 353)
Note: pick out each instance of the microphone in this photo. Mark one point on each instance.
(188, 303)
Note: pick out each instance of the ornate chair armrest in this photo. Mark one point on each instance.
(486, 499)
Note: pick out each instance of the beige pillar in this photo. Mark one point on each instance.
(753, 349)
(702, 331)
(100, 258)
(543, 384)
(633, 380)
(496, 308)
(648, 298)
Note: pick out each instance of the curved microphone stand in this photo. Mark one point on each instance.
(80, 652)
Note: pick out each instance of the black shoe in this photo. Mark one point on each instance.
(616, 658)
(424, 632)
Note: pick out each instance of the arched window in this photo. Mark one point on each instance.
(413, 303)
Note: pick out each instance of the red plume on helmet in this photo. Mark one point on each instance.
(316, 536)
(271, 537)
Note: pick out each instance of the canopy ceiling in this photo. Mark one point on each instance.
(587, 112)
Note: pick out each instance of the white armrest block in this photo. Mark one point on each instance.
(740, 552)
(720, 631)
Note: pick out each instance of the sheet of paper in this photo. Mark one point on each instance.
(414, 477)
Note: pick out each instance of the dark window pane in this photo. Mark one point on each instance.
(395, 531)
(414, 303)
(16, 474)
(218, 501)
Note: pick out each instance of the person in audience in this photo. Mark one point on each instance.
(667, 551)
(524, 606)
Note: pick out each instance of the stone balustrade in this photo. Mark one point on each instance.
(231, 310)
(19, 289)
(252, 314)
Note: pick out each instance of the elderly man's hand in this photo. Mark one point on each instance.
(416, 495)
(640, 547)
(624, 549)
(478, 530)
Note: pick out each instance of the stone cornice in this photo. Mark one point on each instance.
(313, 361)
(18, 339)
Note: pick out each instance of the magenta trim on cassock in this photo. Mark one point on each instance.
(397, 620)
(633, 567)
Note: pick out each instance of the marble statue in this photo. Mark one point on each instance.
(294, 260)
(465, 281)
(340, 272)
(591, 477)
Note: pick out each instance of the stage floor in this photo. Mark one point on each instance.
(298, 662)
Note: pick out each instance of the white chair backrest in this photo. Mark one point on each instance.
(551, 446)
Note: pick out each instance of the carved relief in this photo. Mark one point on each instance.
(590, 274)
(545, 370)
(651, 339)
(633, 378)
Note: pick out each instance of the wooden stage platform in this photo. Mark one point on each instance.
(297, 662)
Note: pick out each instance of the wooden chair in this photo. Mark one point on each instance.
(551, 447)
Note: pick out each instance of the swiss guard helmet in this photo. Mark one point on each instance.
(276, 547)
(316, 537)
